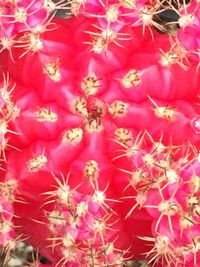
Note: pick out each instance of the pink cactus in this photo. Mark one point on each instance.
(100, 132)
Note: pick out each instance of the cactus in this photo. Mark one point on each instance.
(100, 131)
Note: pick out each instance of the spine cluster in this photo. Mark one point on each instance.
(99, 131)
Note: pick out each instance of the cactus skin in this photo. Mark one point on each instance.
(103, 138)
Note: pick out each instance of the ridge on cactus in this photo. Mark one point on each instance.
(100, 131)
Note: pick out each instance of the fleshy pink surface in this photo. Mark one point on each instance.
(100, 136)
